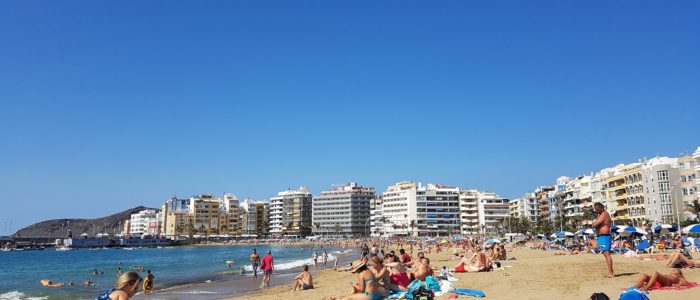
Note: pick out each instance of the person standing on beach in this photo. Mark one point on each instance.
(148, 282)
(255, 261)
(267, 265)
(604, 240)
(324, 257)
(314, 257)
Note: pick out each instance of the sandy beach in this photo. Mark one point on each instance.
(534, 275)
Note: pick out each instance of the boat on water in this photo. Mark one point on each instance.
(5, 249)
(62, 248)
(128, 248)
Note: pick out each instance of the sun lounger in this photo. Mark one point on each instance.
(644, 247)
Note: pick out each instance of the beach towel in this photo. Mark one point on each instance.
(470, 293)
(678, 288)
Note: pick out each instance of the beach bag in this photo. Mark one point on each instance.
(446, 286)
(633, 294)
(599, 296)
(422, 293)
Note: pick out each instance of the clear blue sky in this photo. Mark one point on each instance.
(106, 106)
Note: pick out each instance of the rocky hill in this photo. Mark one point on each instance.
(59, 228)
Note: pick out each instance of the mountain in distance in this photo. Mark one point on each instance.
(58, 228)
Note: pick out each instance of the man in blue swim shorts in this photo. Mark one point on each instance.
(602, 226)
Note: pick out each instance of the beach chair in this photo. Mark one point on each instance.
(644, 247)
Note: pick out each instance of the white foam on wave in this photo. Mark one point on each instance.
(343, 251)
(295, 263)
(16, 295)
(195, 292)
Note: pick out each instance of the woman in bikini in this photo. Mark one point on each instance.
(367, 286)
(126, 287)
(383, 275)
(653, 280)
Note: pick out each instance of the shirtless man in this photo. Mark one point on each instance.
(604, 240)
(255, 261)
(303, 281)
(654, 280)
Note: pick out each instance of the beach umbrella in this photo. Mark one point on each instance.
(664, 228)
(491, 241)
(630, 230)
(695, 228)
(444, 242)
(559, 234)
(587, 231)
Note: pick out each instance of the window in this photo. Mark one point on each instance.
(662, 175)
(664, 186)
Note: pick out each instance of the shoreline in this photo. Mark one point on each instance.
(242, 285)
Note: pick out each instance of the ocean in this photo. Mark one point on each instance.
(199, 268)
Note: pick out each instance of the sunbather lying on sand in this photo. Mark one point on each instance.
(653, 280)
(679, 260)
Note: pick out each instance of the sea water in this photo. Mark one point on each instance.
(172, 267)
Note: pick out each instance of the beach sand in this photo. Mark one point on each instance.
(534, 275)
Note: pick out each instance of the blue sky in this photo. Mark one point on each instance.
(106, 106)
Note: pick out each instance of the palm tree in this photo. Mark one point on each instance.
(317, 225)
(694, 207)
(337, 228)
(413, 225)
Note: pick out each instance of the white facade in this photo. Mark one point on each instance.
(417, 210)
(139, 222)
(342, 210)
(661, 181)
(493, 209)
(469, 211)
(290, 212)
(399, 207)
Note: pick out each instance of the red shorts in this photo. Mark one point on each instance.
(460, 269)
(401, 279)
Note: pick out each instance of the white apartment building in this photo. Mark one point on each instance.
(662, 193)
(515, 208)
(688, 185)
(342, 210)
(469, 211)
(290, 212)
(376, 218)
(417, 210)
(492, 209)
(139, 222)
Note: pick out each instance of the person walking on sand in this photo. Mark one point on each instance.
(255, 261)
(324, 258)
(267, 266)
(604, 240)
(314, 257)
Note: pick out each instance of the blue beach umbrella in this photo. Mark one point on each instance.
(664, 228)
(586, 231)
(559, 234)
(630, 230)
(491, 241)
(695, 228)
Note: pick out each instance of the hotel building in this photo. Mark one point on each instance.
(342, 210)
(290, 212)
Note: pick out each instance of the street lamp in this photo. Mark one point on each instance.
(678, 214)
